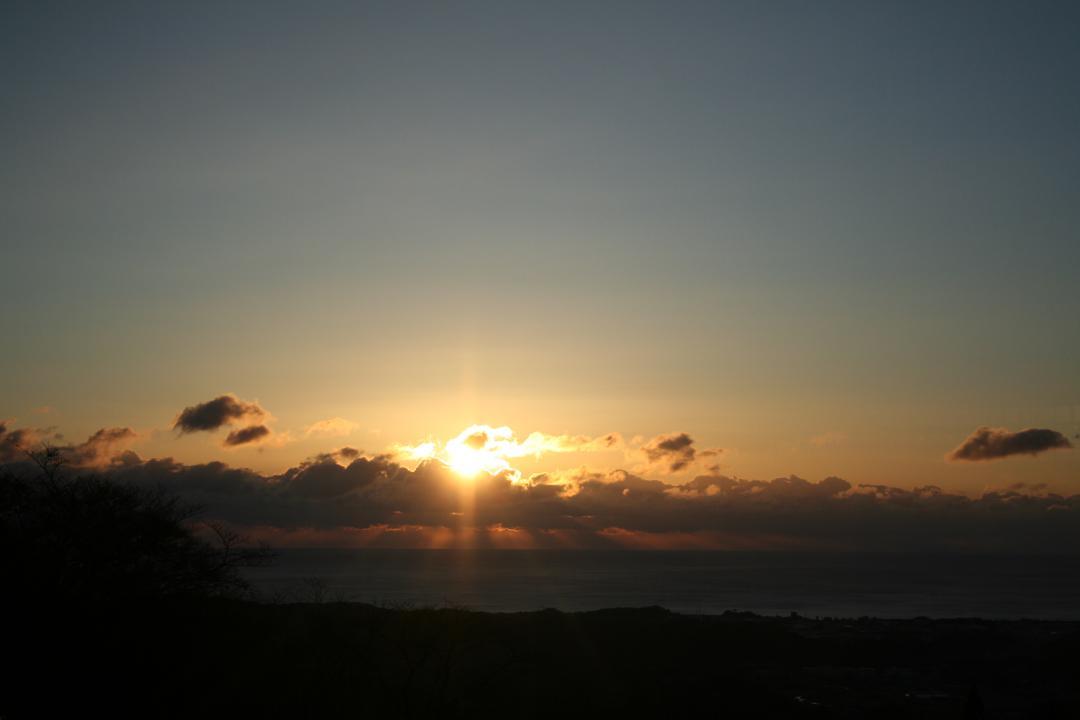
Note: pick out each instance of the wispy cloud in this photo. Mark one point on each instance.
(330, 427)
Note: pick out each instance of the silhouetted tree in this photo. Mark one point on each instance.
(92, 539)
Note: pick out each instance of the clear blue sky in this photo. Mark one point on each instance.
(762, 223)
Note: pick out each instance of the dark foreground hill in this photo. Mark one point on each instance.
(115, 605)
(226, 658)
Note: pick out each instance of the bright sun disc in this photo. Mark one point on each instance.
(486, 449)
(474, 451)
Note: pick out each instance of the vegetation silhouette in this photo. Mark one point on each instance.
(117, 603)
(94, 574)
(94, 540)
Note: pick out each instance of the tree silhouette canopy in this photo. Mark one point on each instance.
(85, 538)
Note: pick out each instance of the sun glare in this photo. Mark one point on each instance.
(481, 449)
(471, 462)
(477, 449)
(486, 449)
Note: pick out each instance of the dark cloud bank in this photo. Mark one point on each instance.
(400, 505)
(345, 497)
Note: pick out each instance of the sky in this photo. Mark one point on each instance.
(821, 240)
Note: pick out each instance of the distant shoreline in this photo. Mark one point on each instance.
(813, 584)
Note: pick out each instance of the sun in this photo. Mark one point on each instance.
(480, 449)
(477, 449)
(470, 463)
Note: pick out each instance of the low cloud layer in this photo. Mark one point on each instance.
(988, 443)
(101, 447)
(213, 414)
(98, 449)
(347, 497)
(344, 498)
(14, 442)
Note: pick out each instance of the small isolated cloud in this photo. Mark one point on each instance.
(583, 443)
(213, 414)
(331, 427)
(672, 452)
(988, 443)
(247, 436)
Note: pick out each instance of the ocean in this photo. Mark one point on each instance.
(808, 583)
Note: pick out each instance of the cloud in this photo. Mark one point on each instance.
(246, 436)
(15, 442)
(325, 478)
(100, 447)
(573, 443)
(786, 488)
(347, 496)
(786, 512)
(673, 452)
(372, 499)
(331, 427)
(223, 410)
(988, 443)
(492, 448)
